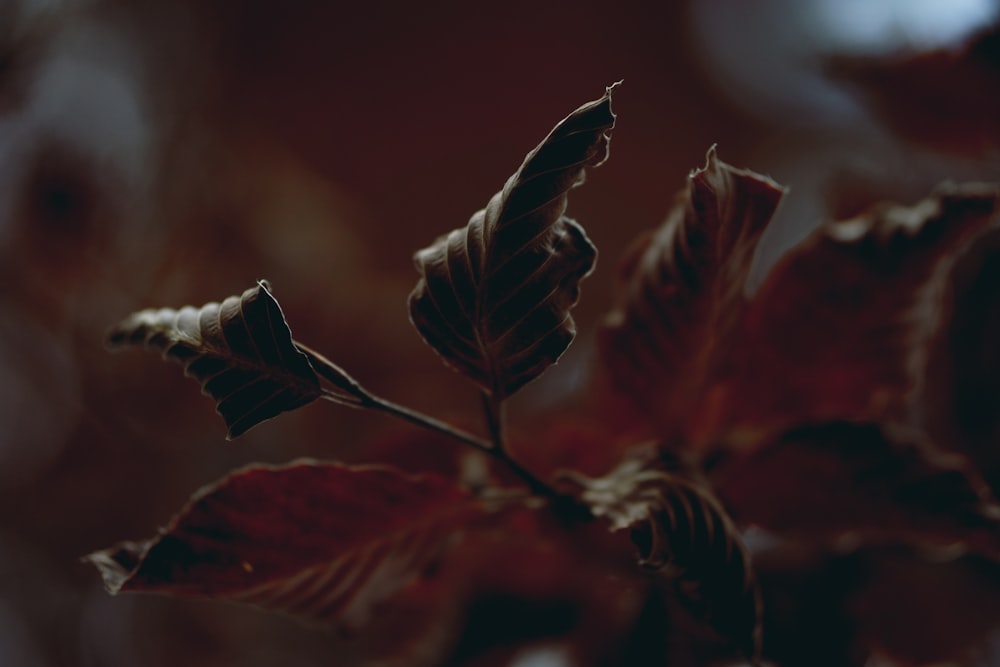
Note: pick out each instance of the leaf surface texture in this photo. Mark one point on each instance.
(322, 541)
(839, 330)
(240, 350)
(494, 297)
(682, 529)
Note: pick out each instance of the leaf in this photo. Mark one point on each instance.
(961, 397)
(862, 484)
(846, 319)
(682, 286)
(945, 99)
(325, 542)
(913, 611)
(680, 527)
(839, 329)
(493, 298)
(240, 350)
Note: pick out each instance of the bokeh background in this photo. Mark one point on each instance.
(165, 153)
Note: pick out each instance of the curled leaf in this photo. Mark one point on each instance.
(682, 287)
(494, 297)
(240, 350)
(839, 330)
(681, 528)
(322, 541)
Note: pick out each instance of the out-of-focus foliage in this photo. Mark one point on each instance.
(175, 152)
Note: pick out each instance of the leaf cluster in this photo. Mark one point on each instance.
(800, 409)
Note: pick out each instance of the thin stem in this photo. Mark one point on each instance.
(349, 392)
(494, 412)
(493, 409)
(425, 421)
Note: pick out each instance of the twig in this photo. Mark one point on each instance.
(348, 391)
(493, 410)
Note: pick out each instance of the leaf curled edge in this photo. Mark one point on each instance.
(680, 528)
(494, 297)
(325, 542)
(681, 286)
(846, 320)
(240, 351)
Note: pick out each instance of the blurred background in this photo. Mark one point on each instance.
(167, 153)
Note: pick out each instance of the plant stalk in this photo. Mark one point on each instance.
(426, 421)
(349, 392)
(495, 414)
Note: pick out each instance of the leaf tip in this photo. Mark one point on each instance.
(711, 157)
(116, 564)
(608, 90)
(712, 163)
(240, 425)
(114, 339)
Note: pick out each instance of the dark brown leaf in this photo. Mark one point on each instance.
(849, 484)
(494, 296)
(680, 527)
(325, 542)
(683, 286)
(240, 350)
(838, 330)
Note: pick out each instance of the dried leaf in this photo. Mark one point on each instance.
(682, 288)
(838, 330)
(862, 484)
(494, 297)
(680, 527)
(323, 541)
(240, 350)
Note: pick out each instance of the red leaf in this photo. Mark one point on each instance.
(863, 484)
(839, 329)
(682, 289)
(323, 541)
(494, 297)
(911, 611)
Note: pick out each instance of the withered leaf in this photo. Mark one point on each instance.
(838, 330)
(682, 286)
(325, 542)
(849, 484)
(681, 528)
(494, 297)
(240, 350)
